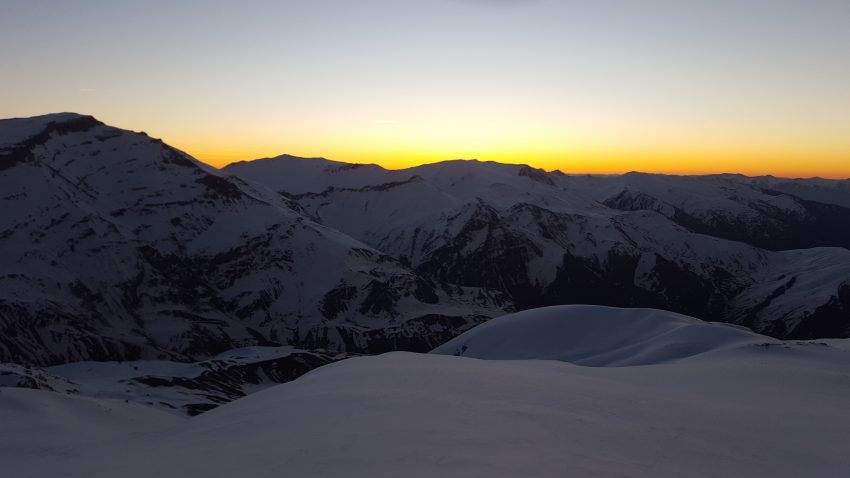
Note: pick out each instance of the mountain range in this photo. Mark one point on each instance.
(767, 253)
(120, 248)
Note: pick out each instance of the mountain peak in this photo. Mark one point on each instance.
(318, 160)
(59, 117)
(18, 130)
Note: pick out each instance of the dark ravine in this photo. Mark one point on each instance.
(829, 320)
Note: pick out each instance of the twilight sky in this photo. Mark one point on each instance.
(677, 86)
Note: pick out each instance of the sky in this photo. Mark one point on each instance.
(609, 86)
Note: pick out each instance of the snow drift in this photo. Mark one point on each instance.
(597, 336)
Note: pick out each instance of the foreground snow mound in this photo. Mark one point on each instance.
(772, 411)
(43, 430)
(597, 336)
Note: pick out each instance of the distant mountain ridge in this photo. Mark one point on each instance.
(720, 247)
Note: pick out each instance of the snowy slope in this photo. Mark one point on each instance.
(119, 247)
(730, 206)
(598, 336)
(44, 431)
(804, 293)
(754, 412)
(701, 245)
(827, 191)
(707, 400)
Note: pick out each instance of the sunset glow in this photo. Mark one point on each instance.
(740, 87)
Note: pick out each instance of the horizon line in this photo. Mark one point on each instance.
(476, 160)
(206, 158)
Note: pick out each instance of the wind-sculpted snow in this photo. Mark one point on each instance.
(768, 411)
(720, 247)
(598, 336)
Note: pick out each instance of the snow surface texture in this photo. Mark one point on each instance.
(746, 405)
(598, 336)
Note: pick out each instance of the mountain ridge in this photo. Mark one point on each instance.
(556, 171)
(122, 247)
(434, 216)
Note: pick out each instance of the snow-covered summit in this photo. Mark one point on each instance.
(17, 130)
(7, 125)
(306, 175)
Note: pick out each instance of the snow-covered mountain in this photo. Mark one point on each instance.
(119, 247)
(722, 247)
(131, 271)
(744, 405)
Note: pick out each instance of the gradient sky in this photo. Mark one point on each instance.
(678, 86)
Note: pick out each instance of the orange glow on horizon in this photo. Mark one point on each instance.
(602, 144)
(577, 86)
(789, 164)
